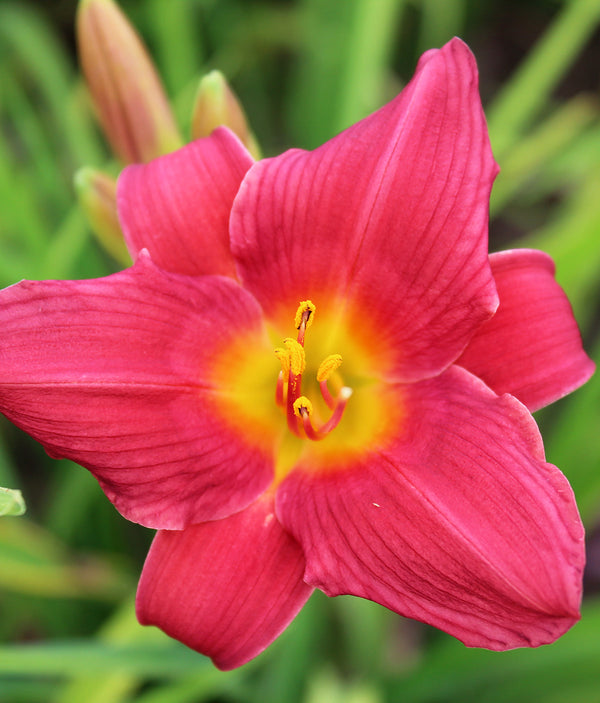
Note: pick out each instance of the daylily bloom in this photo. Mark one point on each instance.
(385, 448)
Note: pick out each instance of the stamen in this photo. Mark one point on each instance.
(302, 404)
(284, 359)
(304, 313)
(340, 405)
(279, 391)
(327, 367)
(304, 318)
(303, 410)
(297, 356)
(288, 392)
(294, 389)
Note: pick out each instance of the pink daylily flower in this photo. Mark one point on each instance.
(386, 449)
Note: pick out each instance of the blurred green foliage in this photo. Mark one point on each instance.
(304, 70)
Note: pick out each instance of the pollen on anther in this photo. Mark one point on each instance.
(305, 313)
(328, 366)
(284, 359)
(297, 356)
(302, 403)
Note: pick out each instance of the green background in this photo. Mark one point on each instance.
(304, 70)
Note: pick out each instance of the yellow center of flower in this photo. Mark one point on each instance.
(319, 400)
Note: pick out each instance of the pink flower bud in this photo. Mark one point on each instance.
(130, 101)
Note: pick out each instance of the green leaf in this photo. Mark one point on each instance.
(526, 161)
(152, 660)
(440, 21)
(571, 239)
(526, 93)
(32, 561)
(346, 52)
(564, 671)
(11, 502)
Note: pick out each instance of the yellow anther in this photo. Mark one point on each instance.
(300, 404)
(296, 355)
(284, 359)
(328, 366)
(305, 313)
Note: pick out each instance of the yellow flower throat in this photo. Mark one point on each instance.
(301, 413)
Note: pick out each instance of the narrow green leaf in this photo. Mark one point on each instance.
(205, 686)
(45, 60)
(529, 156)
(373, 24)
(8, 474)
(452, 673)
(572, 444)
(166, 659)
(35, 147)
(327, 686)
(527, 92)
(341, 76)
(66, 246)
(176, 30)
(571, 238)
(33, 562)
(440, 21)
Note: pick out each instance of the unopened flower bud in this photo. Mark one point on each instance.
(97, 194)
(126, 89)
(216, 104)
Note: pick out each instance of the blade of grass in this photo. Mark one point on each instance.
(176, 31)
(453, 673)
(572, 165)
(151, 660)
(571, 238)
(527, 92)
(22, 226)
(440, 21)
(25, 691)
(8, 475)
(63, 254)
(572, 444)
(33, 562)
(45, 60)
(36, 147)
(531, 155)
(148, 654)
(344, 55)
(365, 58)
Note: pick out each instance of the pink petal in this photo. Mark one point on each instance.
(178, 205)
(459, 523)
(531, 347)
(113, 373)
(391, 215)
(226, 588)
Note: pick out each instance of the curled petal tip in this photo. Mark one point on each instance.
(126, 90)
